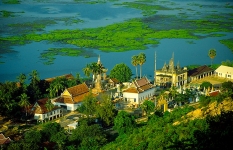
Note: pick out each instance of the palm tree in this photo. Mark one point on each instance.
(34, 76)
(24, 102)
(21, 78)
(49, 106)
(58, 85)
(212, 54)
(93, 68)
(141, 61)
(135, 63)
(87, 70)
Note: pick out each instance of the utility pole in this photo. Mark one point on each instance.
(155, 70)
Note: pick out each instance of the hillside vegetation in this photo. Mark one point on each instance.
(208, 127)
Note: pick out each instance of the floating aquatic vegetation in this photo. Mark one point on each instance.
(228, 43)
(11, 1)
(147, 9)
(49, 55)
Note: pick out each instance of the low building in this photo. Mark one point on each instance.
(138, 91)
(113, 82)
(41, 113)
(72, 97)
(224, 72)
(199, 73)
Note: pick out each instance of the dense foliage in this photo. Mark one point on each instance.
(121, 72)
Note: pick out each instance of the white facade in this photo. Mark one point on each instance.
(224, 72)
(49, 115)
(138, 98)
(71, 107)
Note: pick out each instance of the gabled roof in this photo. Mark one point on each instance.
(225, 69)
(199, 70)
(114, 80)
(78, 89)
(40, 108)
(77, 94)
(141, 85)
(4, 140)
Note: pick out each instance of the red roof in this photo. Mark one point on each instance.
(40, 107)
(214, 93)
(67, 76)
(77, 93)
(142, 84)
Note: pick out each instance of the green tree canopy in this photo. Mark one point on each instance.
(121, 72)
(205, 85)
(141, 61)
(212, 54)
(88, 136)
(148, 106)
(124, 122)
(24, 102)
(89, 105)
(135, 63)
(106, 110)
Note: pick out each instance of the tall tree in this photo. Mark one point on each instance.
(135, 63)
(141, 61)
(94, 69)
(34, 88)
(121, 72)
(88, 106)
(212, 54)
(49, 106)
(106, 110)
(24, 102)
(21, 79)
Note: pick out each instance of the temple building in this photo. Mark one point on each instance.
(171, 75)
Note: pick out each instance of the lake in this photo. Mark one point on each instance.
(27, 57)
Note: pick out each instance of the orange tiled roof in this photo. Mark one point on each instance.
(4, 140)
(78, 89)
(114, 80)
(41, 108)
(131, 90)
(77, 93)
(141, 85)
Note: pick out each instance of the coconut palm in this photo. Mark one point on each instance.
(87, 70)
(24, 102)
(212, 54)
(21, 78)
(141, 61)
(135, 63)
(49, 106)
(34, 76)
(93, 68)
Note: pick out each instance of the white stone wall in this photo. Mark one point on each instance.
(138, 97)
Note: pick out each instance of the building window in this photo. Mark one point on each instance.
(134, 99)
(229, 76)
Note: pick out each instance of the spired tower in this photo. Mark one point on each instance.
(98, 88)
